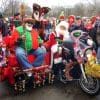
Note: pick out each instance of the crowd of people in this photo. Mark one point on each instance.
(25, 34)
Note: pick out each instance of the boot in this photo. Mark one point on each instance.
(67, 72)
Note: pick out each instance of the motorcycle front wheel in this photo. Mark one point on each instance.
(91, 86)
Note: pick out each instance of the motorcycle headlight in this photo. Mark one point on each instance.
(88, 53)
(89, 42)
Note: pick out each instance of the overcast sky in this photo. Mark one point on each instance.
(51, 3)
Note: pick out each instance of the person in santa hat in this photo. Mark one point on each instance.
(59, 34)
(71, 19)
(60, 31)
(61, 17)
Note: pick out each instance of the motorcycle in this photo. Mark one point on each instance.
(75, 56)
(88, 83)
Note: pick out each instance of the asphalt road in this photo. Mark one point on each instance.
(57, 91)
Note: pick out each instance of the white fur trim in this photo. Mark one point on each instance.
(66, 25)
(54, 48)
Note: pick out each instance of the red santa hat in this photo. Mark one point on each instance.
(71, 17)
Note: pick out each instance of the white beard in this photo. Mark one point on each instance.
(61, 32)
(28, 28)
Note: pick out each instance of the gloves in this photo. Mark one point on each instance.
(54, 48)
(59, 40)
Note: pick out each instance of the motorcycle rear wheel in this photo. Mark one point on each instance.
(91, 87)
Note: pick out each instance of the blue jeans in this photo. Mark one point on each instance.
(21, 55)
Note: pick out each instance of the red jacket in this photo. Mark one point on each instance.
(52, 40)
(10, 41)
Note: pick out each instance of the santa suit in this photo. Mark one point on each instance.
(52, 43)
(57, 33)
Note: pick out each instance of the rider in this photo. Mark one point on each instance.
(58, 35)
(27, 42)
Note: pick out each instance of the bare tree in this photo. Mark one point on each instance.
(88, 9)
(9, 7)
(28, 10)
(4, 4)
(78, 9)
(94, 7)
(14, 6)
